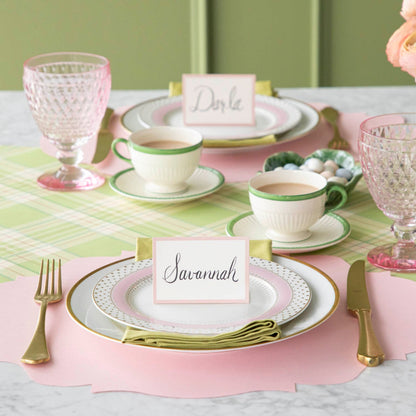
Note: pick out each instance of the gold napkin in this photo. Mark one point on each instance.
(263, 88)
(253, 333)
(257, 248)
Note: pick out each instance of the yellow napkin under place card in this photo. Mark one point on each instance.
(257, 248)
(261, 249)
(255, 332)
(144, 249)
(263, 88)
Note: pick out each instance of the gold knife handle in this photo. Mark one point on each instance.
(369, 350)
(37, 352)
(106, 118)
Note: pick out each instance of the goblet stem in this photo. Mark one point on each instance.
(70, 158)
(401, 256)
(405, 233)
(70, 177)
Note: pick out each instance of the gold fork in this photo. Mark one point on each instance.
(337, 142)
(37, 352)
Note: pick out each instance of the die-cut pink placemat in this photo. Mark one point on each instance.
(238, 165)
(325, 355)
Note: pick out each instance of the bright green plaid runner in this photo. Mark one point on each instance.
(37, 223)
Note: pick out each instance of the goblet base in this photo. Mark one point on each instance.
(71, 179)
(395, 257)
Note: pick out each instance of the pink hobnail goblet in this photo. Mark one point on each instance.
(387, 149)
(68, 94)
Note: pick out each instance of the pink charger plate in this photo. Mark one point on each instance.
(325, 355)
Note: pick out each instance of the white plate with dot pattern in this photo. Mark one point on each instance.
(126, 296)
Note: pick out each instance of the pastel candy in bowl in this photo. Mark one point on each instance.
(337, 166)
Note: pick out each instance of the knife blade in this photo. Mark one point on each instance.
(369, 351)
(104, 138)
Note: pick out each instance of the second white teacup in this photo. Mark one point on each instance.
(288, 202)
(165, 157)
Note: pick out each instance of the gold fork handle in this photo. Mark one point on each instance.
(337, 134)
(37, 352)
(337, 141)
(336, 130)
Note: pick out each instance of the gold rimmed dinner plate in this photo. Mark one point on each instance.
(325, 299)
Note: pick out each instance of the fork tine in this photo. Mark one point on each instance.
(39, 288)
(45, 290)
(59, 278)
(53, 277)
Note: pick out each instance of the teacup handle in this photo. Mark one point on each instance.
(116, 152)
(344, 197)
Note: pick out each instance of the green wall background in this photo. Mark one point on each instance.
(294, 43)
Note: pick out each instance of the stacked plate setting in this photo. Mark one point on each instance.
(286, 117)
(295, 295)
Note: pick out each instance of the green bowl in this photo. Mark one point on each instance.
(340, 157)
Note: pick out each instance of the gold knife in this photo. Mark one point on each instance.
(369, 351)
(104, 138)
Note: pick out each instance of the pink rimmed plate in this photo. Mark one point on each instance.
(273, 116)
(126, 296)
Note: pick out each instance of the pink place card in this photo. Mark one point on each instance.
(218, 99)
(201, 270)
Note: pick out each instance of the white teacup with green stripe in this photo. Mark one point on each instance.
(165, 157)
(288, 202)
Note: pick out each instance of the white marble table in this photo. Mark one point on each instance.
(385, 390)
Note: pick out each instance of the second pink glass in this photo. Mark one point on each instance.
(68, 94)
(387, 148)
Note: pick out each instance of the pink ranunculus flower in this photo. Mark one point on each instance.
(396, 48)
(408, 9)
(408, 55)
